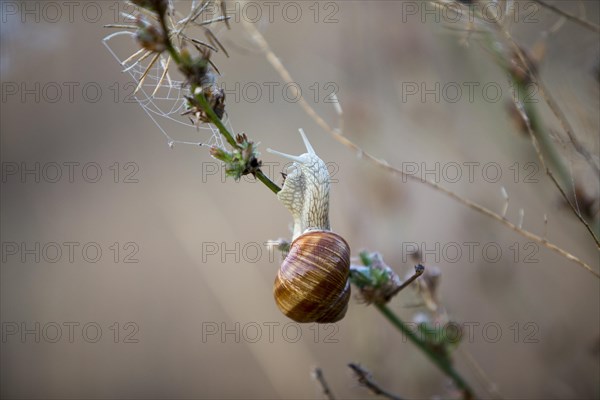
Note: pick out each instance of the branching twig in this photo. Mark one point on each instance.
(365, 379)
(532, 134)
(552, 104)
(535, 130)
(587, 24)
(338, 135)
(528, 113)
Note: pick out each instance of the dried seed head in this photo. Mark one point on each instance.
(377, 282)
(157, 6)
(149, 36)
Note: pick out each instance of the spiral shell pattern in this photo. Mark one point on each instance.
(312, 284)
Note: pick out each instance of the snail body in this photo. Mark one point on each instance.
(312, 284)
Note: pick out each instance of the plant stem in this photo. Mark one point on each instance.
(268, 183)
(438, 360)
(167, 38)
(214, 119)
(587, 24)
(364, 378)
(229, 137)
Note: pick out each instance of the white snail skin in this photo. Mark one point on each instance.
(312, 284)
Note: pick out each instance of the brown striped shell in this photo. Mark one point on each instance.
(312, 284)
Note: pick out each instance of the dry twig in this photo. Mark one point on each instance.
(538, 151)
(364, 378)
(318, 374)
(585, 23)
(552, 104)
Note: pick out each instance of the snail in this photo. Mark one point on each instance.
(312, 284)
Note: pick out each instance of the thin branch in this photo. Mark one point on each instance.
(338, 135)
(552, 104)
(229, 137)
(529, 118)
(419, 269)
(528, 114)
(560, 115)
(576, 212)
(145, 74)
(268, 183)
(215, 120)
(163, 75)
(365, 379)
(587, 24)
(442, 363)
(532, 135)
(145, 53)
(318, 374)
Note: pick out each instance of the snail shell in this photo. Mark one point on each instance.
(312, 284)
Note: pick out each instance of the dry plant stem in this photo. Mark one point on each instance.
(528, 113)
(552, 104)
(441, 363)
(557, 184)
(537, 135)
(318, 373)
(175, 56)
(419, 269)
(559, 114)
(229, 137)
(364, 378)
(575, 210)
(587, 24)
(338, 135)
(529, 117)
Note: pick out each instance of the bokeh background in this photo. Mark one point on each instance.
(179, 211)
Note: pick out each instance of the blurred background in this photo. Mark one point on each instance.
(135, 270)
